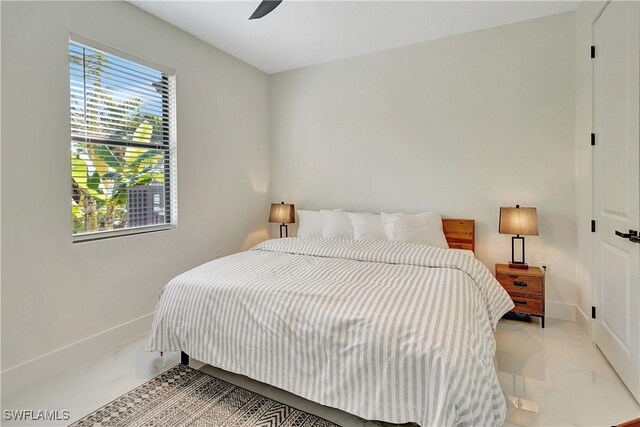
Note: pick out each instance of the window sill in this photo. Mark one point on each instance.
(101, 235)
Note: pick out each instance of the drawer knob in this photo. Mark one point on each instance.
(518, 302)
(520, 284)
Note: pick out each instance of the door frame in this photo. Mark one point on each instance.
(595, 285)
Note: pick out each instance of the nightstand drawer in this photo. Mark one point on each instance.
(520, 283)
(527, 303)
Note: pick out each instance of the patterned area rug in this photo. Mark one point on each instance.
(187, 397)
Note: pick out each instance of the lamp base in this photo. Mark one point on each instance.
(519, 266)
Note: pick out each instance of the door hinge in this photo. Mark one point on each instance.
(593, 312)
(593, 51)
(593, 225)
(593, 139)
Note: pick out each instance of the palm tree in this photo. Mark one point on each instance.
(102, 171)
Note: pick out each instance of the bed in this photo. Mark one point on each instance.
(387, 331)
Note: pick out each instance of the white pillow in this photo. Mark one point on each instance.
(310, 224)
(336, 225)
(367, 227)
(424, 228)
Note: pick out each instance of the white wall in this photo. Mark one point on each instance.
(55, 293)
(461, 126)
(585, 15)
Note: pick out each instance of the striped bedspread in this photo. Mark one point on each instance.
(387, 331)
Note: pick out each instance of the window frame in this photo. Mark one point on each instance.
(170, 161)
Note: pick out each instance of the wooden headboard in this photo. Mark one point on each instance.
(460, 233)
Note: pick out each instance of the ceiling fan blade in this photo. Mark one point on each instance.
(265, 8)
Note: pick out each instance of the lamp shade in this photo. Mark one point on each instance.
(282, 213)
(518, 221)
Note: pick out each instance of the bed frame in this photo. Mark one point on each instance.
(460, 234)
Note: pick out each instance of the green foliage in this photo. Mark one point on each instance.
(101, 173)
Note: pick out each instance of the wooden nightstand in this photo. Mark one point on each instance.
(525, 287)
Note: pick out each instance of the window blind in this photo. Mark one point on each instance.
(123, 142)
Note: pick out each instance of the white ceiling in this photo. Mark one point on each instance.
(301, 33)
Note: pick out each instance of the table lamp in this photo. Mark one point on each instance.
(518, 221)
(284, 214)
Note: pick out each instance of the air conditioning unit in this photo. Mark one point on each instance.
(145, 205)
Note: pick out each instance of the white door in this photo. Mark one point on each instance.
(616, 102)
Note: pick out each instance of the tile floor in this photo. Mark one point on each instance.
(551, 377)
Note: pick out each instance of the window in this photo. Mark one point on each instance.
(123, 141)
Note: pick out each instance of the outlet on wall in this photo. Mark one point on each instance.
(546, 267)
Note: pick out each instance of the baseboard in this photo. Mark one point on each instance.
(583, 321)
(560, 310)
(57, 361)
(564, 311)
